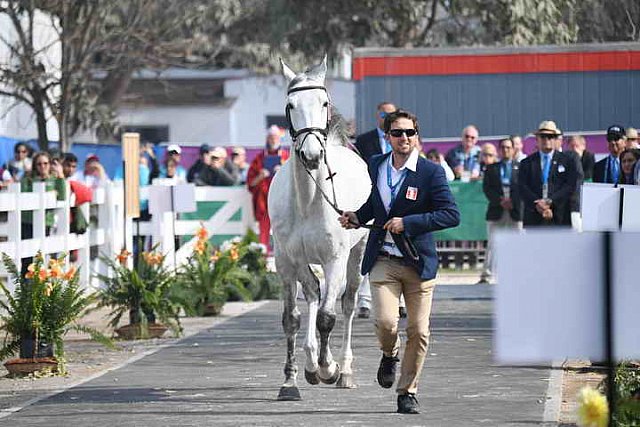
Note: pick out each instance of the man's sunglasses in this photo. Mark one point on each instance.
(397, 133)
(547, 136)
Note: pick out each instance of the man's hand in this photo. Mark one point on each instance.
(394, 225)
(542, 205)
(457, 171)
(547, 214)
(349, 220)
(506, 203)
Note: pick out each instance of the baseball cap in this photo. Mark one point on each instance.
(615, 132)
(174, 148)
(92, 157)
(205, 148)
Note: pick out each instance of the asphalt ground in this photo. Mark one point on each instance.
(230, 374)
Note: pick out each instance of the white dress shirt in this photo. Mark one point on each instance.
(397, 176)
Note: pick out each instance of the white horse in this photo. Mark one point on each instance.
(321, 172)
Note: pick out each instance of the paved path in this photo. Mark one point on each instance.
(230, 375)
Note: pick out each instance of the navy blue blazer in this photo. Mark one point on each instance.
(434, 209)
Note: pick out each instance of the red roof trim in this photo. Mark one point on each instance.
(495, 64)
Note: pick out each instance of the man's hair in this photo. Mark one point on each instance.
(69, 158)
(505, 140)
(400, 114)
(384, 103)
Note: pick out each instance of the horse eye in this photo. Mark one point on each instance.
(326, 104)
(290, 105)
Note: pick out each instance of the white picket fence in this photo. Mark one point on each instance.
(109, 228)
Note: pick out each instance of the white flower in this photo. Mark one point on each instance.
(254, 246)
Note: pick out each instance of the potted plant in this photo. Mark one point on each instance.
(209, 276)
(263, 284)
(46, 303)
(142, 291)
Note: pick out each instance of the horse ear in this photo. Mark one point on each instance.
(286, 71)
(319, 71)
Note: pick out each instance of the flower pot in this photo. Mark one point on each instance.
(135, 332)
(28, 350)
(18, 367)
(213, 309)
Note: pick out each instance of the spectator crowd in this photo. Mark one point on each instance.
(541, 188)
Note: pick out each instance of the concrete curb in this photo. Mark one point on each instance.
(553, 397)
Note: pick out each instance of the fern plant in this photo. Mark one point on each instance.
(46, 304)
(209, 276)
(142, 291)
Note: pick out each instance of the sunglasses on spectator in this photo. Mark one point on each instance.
(397, 133)
(470, 136)
(488, 154)
(547, 136)
(382, 114)
(42, 163)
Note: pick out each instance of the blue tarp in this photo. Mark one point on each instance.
(6, 149)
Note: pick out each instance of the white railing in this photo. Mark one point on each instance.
(108, 228)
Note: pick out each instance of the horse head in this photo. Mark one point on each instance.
(308, 112)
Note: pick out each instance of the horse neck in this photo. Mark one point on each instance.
(307, 196)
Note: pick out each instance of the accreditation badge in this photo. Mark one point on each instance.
(412, 193)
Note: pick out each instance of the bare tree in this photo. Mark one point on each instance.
(100, 45)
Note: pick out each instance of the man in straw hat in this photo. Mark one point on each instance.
(547, 180)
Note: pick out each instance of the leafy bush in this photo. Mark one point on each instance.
(210, 276)
(46, 303)
(144, 291)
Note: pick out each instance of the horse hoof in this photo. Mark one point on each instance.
(312, 377)
(289, 393)
(346, 381)
(333, 378)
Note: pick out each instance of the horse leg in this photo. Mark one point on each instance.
(311, 289)
(291, 325)
(354, 278)
(334, 273)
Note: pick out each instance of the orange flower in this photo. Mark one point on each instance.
(200, 247)
(43, 274)
(215, 257)
(234, 254)
(202, 233)
(70, 273)
(122, 256)
(30, 271)
(153, 258)
(56, 272)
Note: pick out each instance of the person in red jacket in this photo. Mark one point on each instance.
(259, 177)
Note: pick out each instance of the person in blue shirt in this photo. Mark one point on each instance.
(465, 158)
(179, 173)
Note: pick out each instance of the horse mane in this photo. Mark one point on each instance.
(338, 133)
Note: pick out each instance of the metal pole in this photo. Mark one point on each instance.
(608, 324)
(173, 225)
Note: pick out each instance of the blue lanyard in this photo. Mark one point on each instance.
(393, 187)
(505, 173)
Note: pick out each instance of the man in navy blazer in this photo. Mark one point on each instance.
(548, 179)
(410, 199)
